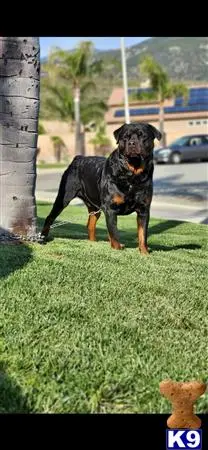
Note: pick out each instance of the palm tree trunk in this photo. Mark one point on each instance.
(57, 151)
(83, 142)
(77, 121)
(19, 110)
(161, 121)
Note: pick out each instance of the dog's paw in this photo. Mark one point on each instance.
(144, 251)
(118, 246)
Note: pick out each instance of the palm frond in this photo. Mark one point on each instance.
(96, 67)
(87, 87)
(54, 110)
(159, 79)
(180, 89)
(60, 101)
(74, 66)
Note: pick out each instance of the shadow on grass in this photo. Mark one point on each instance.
(205, 221)
(11, 398)
(163, 226)
(13, 256)
(167, 248)
(129, 238)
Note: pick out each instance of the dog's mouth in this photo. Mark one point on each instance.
(135, 160)
(133, 151)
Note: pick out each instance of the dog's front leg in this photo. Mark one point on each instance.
(142, 228)
(111, 222)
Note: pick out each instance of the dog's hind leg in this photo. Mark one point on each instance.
(91, 224)
(68, 189)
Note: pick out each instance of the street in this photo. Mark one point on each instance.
(180, 191)
(186, 181)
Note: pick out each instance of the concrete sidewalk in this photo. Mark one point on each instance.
(176, 209)
(51, 170)
(171, 208)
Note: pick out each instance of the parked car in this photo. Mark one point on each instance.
(186, 148)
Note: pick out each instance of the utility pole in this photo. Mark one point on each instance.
(125, 83)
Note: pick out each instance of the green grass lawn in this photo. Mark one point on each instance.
(52, 166)
(85, 328)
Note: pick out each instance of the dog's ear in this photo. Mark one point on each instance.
(117, 133)
(156, 133)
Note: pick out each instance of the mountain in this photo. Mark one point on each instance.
(184, 58)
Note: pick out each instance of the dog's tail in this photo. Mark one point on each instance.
(68, 189)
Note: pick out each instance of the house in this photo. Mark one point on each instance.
(181, 116)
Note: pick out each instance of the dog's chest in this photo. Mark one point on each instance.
(129, 197)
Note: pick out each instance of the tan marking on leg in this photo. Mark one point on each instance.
(141, 238)
(115, 244)
(91, 225)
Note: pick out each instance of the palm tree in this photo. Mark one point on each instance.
(19, 110)
(59, 103)
(101, 141)
(59, 146)
(161, 85)
(76, 68)
(41, 129)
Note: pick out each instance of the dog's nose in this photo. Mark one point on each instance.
(131, 143)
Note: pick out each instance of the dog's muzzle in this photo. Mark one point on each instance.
(133, 150)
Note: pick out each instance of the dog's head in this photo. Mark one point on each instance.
(136, 140)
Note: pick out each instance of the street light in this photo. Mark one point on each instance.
(125, 84)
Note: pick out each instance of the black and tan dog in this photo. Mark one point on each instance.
(118, 185)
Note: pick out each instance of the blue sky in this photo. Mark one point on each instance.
(101, 43)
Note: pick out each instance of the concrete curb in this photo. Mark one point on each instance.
(167, 203)
(48, 171)
(178, 206)
(159, 209)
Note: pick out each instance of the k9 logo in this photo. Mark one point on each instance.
(185, 439)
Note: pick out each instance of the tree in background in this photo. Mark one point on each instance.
(59, 103)
(102, 144)
(77, 68)
(41, 129)
(19, 110)
(59, 147)
(161, 84)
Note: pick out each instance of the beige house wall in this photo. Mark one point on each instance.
(180, 127)
(176, 125)
(174, 128)
(64, 131)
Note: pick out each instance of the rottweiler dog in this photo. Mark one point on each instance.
(117, 185)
